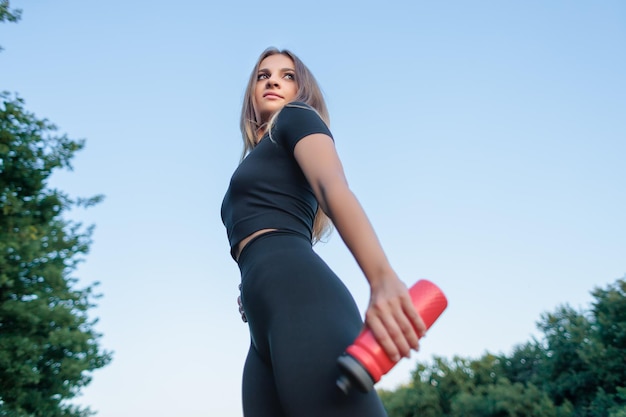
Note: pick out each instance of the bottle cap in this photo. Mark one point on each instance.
(353, 374)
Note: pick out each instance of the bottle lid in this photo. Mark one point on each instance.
(353, 374)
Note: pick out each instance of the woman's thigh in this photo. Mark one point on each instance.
(260, 398)
(302, 318)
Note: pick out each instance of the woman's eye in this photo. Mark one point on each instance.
(290, 76)
(262, 76)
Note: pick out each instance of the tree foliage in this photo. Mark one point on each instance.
(578, 368)
(7, 14)
(48, 345)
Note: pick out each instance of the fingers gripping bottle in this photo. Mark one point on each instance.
(365, 362)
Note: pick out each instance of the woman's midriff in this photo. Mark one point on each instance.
(248, 238)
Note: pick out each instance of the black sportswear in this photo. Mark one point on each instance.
(300, 315)
(268, 190)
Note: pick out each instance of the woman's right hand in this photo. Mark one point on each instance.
(240, 304)
(392, 318)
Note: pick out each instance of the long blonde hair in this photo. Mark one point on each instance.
(310, 93)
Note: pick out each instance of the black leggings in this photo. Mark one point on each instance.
(301, 318)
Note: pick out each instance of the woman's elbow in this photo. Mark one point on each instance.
(331, 194)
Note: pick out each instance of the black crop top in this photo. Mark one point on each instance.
(268, 189)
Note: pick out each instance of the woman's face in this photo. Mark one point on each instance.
(276, 86)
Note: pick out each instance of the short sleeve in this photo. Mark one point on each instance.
(295, 121)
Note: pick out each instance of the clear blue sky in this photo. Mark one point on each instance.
(486, 141)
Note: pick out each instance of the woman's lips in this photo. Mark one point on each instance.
(272, 95)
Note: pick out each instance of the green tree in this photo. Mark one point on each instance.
(503, 399)
(7, 14)
(619, 408)
(606, 351)
(525, 364)
(414, 400)
(48, 345)
(609, 335)
(449, 377)
(567, 374)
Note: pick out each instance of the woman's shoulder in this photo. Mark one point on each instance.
(298, 112)
(299, 105)
(296, 120)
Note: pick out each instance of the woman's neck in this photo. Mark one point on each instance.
(259, 135)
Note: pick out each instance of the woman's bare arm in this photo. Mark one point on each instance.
(390, 314)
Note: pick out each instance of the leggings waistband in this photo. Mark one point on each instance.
(271, 234)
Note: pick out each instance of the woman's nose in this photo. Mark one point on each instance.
(273, 82)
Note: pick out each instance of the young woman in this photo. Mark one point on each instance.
(300, 315)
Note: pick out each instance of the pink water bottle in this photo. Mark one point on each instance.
(365, 361)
